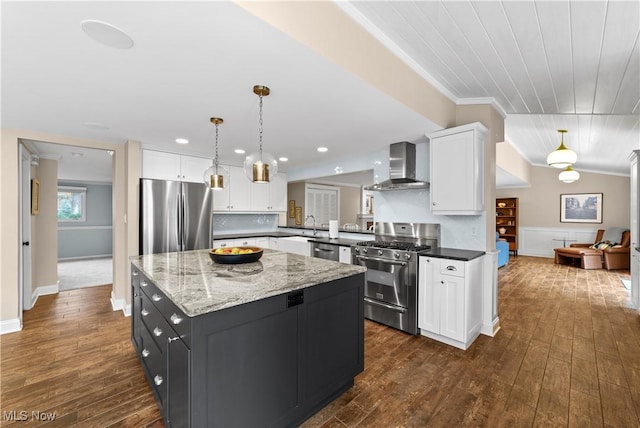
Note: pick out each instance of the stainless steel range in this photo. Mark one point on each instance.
(391, 280)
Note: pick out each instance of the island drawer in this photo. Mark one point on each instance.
(155, 323)
(155, 362)
(178, 321)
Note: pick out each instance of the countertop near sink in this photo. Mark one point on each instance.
(252, 235)
(338, 241)
(453, 254)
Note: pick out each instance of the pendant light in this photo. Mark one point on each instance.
(569, 175)
(260, 166)
(562, 157)
(216, 175)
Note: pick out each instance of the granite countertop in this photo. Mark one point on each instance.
(453, 254)
(253, 235)
(338, 241)
(198, 286)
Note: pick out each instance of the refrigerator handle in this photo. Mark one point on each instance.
(183, 238)
(179, 216)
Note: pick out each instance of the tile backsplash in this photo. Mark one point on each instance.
(244, 223)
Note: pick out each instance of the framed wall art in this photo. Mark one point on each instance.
(298, 216)
(581, 208)
(35, 196)
(292, 208)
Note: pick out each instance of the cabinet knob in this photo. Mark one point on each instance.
(145, 353)
(144, 312)
(134, 273)
(156, 298)
(158, 380)
(176, 319)
(157, 331)
(143, 284)
(442, 282)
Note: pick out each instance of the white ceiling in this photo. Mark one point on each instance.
(548, 65)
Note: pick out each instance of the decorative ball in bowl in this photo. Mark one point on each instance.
(501, 204)
(234, 255)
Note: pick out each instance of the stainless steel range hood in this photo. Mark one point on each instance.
(402, 169)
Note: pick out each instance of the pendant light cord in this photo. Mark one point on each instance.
(260, 127)
(216, 148)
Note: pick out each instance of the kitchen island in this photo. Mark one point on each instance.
(267, 343)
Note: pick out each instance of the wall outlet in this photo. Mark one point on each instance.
(474, 231)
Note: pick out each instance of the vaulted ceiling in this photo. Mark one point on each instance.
(546, 65)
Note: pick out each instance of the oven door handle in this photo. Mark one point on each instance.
(377, 259)
(384, 305)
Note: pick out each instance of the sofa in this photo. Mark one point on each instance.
(611, 249)
(502, 246)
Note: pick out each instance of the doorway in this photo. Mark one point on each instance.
(25, 288)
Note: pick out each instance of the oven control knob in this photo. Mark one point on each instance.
(364, 250)
(380, 252)
(356, 249)
(396, 255)
(407, 256)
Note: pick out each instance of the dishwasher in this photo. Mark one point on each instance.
(325, 251)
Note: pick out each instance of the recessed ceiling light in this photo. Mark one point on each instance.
(107, 34)
(182, 141)
(239, 151)
(322, 149)
(96, 125)
(283, 159)
(77, 155)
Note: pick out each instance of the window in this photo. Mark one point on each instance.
(72, 203)
(323, 202)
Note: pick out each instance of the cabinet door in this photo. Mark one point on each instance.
(178, 400)
(457, 190)
(274, 244)
(223, 243)
(221, 197)
(428, 296)
(278, 193)
(240, 190)
(161, 165)
(192, 169)
(260, 196)
(451, 290)
(345, 255)
(262, 242)
(245, 242)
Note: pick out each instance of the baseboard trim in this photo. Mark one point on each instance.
(120, 305)
(491, 329)
(10, 326)
(43, 290)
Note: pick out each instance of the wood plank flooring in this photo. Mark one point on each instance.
(568, 354)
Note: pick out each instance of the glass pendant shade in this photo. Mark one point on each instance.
(216, 177)
(260, 166)
(562, 157)
(569, 175)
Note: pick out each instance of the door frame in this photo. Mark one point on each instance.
(25, 271)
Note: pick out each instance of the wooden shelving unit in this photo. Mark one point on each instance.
(507, 221)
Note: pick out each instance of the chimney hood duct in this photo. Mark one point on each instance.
(402, 169)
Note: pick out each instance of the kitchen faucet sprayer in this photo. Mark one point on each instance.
(315, 232)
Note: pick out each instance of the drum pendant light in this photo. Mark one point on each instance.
(562, 157)
(260, 166)
(216, 175)
(569, 175)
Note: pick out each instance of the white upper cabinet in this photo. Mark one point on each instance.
(241, 195)
(171, 166)
(457, 170)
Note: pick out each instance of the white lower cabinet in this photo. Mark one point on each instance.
(345, 255)
(450, 300)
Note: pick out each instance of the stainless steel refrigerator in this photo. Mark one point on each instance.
(174, 216)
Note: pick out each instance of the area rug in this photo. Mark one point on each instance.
(626, 283)
(84, 273)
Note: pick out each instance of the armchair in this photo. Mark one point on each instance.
(503, 250)
(593, 256)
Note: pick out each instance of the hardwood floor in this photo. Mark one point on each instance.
(568, 354)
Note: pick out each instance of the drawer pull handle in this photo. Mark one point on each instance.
(176, 319)
(157, 331)
(452, 268)
(156, 298)
(144, 312)
(145, 353)
(158, 380)
(144, 283)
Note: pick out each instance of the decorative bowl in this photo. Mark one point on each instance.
(502, 205)
(502, 230)
(235, 258)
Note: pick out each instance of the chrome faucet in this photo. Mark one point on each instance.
(315, 232)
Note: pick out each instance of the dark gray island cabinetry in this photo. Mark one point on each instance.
(249, 345)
